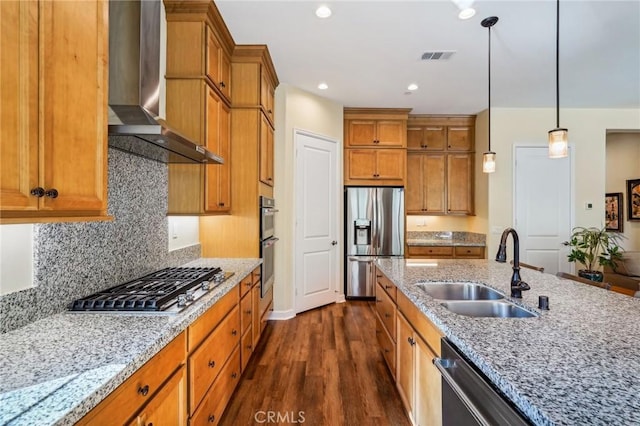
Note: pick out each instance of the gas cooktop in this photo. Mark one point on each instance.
(169, 290)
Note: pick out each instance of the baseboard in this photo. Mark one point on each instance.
(340, 298)
(282, 315)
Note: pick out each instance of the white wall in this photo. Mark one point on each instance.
(16, 258)
(184, 231)
(297, 109)
(587, 134)
(623, 163)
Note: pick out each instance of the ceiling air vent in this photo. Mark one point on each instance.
(437, 56)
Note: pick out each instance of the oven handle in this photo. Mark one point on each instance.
(442, 365)
(270, 241)
(269, 211)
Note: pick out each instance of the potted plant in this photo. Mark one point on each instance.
(591, 245)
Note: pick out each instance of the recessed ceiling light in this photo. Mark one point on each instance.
(323, 86)
(323, 12)
(467, 13)
(412, 87)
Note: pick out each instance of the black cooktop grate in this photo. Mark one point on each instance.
(153, 292)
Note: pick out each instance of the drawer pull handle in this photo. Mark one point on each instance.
(212, 363)
(143, 390)
(211, 418)
(234, 375)
(249, 347)
(248, 312)
(248, 284)
(51, 193)
(387, 315)
(38, 192)
(388, 287)
(234, 332)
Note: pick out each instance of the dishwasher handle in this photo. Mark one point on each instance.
(443, 365)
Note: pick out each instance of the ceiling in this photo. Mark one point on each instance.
(368, 52)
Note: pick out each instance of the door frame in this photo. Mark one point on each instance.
(572, 189)
(339, 198)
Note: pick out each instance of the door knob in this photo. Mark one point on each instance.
(334, 242)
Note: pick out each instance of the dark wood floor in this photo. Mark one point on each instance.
(321, 368)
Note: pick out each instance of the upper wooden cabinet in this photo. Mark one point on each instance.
(266, 151)
(195, 188)
(460, 184)
(440, 133)
(375, 167)
(267, 93)
(53, 118)
(375, 127)
(426, 183)
(199, 44)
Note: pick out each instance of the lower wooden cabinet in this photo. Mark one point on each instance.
(168, 406)
(446, 252)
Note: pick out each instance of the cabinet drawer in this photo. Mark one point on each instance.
(256, 275)
(421, 324)
(138, 389)
(386, 345)
(246, 284)
(168, 406)
(386, 311)
(431, 251)
(210, 319)
(246, 311)
(386, 284)
(207, 361)
(213, 406)
(246, 347)
(469, 252)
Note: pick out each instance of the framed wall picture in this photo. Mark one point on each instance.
(613, 211)
(633, 199)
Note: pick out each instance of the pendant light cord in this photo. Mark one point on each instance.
(557, 64)
(489, 79)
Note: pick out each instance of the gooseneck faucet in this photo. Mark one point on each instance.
(517, 285)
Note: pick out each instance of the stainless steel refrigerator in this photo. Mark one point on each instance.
(374, 227)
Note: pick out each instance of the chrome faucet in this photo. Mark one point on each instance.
(517, 285)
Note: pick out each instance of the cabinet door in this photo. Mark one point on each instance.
(218, 176)
(73, 90)
(414, 191)
(460, 184)
(255, 307)
(213, 53)
(405, 364)
(266, 95)
(266, 151)
(361, 164)
(168, 406)
(428, 388)
(19, 111)
(390, 164)
(459, 139)
(435, 138)
(434, 183)
(225, 75)
(415, 137)
(361, 133)
(213, 141)
(391, 133)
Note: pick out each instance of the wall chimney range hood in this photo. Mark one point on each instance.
(134, 88)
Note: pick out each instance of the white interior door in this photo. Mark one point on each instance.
(316, 253)
(543, 207)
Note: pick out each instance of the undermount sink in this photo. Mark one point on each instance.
(459, 291)
(487, 308)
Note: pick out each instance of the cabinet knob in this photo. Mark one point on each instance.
(51, 193)
(234, 375)
(234, 332)
(211, 418)
(388, 287)
(269, 179)
(212, 363)
(248, 312)
(221, 204)
(222, 84)
(143, 390)
(37, 192)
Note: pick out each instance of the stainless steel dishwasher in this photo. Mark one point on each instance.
(468, 399)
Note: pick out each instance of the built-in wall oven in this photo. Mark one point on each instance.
(267, 242)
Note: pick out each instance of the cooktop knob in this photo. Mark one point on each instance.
(182, 300)
(205, 285)
(189, 295)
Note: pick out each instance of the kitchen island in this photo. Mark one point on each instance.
(54, 371)
(577, 363)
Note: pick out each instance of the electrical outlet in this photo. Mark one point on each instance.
(496, 230)
(588, 206)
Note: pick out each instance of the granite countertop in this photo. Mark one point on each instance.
(55, 370)
(445, 238)
(578, 363)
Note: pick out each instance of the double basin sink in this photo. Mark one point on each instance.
(473, 300)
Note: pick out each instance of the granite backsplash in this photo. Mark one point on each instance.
(447, 236)
(73, 260)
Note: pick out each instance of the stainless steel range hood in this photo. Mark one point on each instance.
(134, 88)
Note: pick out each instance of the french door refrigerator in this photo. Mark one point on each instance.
(374, 227)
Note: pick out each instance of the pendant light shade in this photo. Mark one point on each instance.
(558, 137)
(489, 162)
(489, 157)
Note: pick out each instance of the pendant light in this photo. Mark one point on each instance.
(489, 157)
(558, 137)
